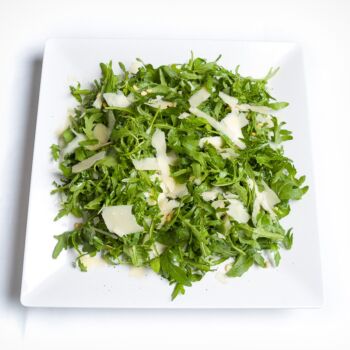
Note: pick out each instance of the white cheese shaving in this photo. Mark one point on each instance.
(149, 201)
(157, 249)
(98, 102)
(101, 133)
(228, 153)
(215, 141)
(212, 194)
(172, 157)
(230, 126)
(197, 98)
(237, 211)
(88, 162)
(73, 145)
(200, 114)
(230, 100)
(166, 206)
(172, 188)
(233, 103)
(120, 220)
(257, 109)
(220, 203)
(233, 125)
(131, 98)
(266, 199)
(116, 99)
(158, 102)
(135, 66)
(93, 261)
(264, 119)
(149, 163)
(184, 115)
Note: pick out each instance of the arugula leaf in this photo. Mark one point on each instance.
(172, 271)
(240, 266)
(60, 245)
(55, 151)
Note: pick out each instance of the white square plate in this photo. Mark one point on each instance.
(47, 282)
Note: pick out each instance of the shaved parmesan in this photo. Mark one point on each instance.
(158, 102)
(130, 98)
(233, 103)
(213, 122)
(92, 261)
(220, 203)
(173, 189)
(149, 201)
(73, 145)
(98, 102)
(172, 158)
(230, 100)
(237, 211)
(230, 126)
(88, 162)
(233, 124)
(135, 66)
(183, 115)
(166, 206)
(197, 98)
(215, 141)
(266, 199)
(120, 220)
(158, 248)
(150, 163)
(116, 99)
(101, 133)
(228, 153)
(265, 119)
(257, 109)
(212, 194)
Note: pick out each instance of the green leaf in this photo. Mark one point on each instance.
(68, 135)
(82, 266)
(60, 245)
(259, 260)
(174, 272)
(277, 257)
(288, 239)
(55, 152)
(240, 266)
(155, 264)
(178, 289)
(278, 105)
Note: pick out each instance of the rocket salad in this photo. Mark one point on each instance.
(178, 168)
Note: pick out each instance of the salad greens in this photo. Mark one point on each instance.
(178, 168)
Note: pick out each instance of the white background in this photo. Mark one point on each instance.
(323, 30)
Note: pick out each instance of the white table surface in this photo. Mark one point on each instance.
(323, 30)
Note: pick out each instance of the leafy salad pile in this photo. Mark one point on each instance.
(178, 168)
